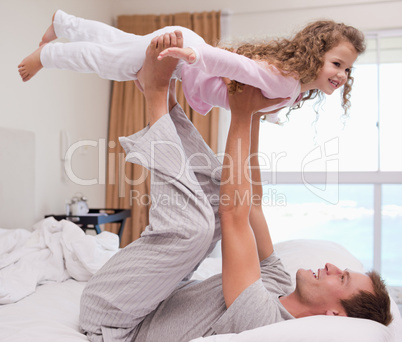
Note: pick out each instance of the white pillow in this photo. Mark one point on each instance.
(314, 254)
(311, 329)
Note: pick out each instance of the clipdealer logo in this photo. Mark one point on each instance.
(323, 157)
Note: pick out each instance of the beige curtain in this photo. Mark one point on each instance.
(128, 184)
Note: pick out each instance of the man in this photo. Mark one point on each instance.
(143, 294)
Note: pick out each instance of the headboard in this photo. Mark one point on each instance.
(17, 178)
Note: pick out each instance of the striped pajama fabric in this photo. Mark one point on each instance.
(182, 231)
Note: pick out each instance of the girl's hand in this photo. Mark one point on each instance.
(186, 54)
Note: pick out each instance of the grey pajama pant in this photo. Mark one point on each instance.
(182, 230)
(95, 47)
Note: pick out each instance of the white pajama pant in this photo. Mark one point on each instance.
(183, 229)
(98, 48)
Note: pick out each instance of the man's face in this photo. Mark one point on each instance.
(324, 288)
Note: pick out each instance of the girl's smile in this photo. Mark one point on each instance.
(334, 73)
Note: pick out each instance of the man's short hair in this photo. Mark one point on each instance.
(375, 306)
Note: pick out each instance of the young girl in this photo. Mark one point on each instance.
(316, 60)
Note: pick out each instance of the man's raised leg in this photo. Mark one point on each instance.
(181, 227)
(155, 77)
(202, 160)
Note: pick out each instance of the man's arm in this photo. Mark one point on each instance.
(257, 218)
(240, 261)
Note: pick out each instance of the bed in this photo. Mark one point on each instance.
(49, 311)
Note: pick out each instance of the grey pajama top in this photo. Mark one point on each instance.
(197, 308)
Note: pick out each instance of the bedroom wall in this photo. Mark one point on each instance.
(49, 103)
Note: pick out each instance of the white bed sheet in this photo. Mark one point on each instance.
(51, 313)
(48, 315)
(52, 251)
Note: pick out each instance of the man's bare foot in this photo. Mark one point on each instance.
(156, 75)
(161, 70)
(49, 35)
(30, 65)
(176, 40)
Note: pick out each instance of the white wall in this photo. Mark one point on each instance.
(52, 101)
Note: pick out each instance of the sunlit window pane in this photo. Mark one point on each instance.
(391, 117)
(392, 234)
(302, 142)
(294, 212)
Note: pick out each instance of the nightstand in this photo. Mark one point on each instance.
(96, 217)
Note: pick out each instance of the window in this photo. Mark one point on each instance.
(338, 179)
(391, 238)
(294, 212)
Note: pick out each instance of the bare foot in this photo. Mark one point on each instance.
(159, 44)
(161, 70)
(30, 65)
(49, 35)
(156, 75)
(179, 38)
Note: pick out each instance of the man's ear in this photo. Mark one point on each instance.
(335, 313)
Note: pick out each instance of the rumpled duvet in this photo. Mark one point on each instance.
(52, 251)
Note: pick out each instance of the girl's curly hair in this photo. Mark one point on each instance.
(302, 57)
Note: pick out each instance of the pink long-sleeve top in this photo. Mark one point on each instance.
(204, 88)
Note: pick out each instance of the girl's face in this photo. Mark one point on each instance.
(334, 73)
